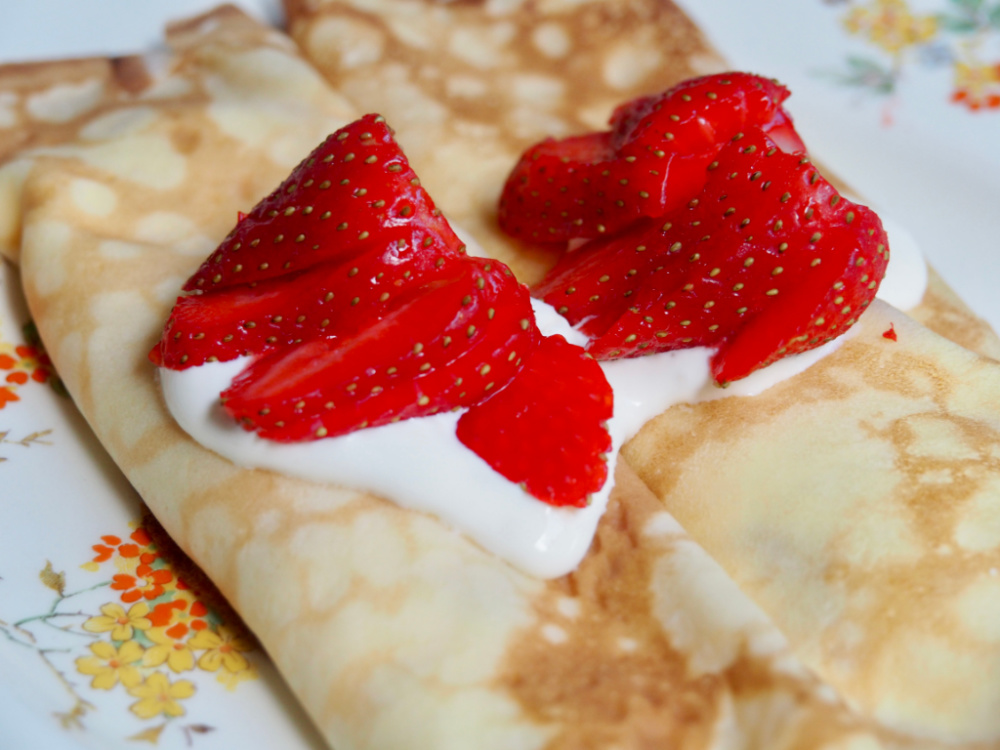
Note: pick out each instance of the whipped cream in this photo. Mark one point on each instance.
(420, 464)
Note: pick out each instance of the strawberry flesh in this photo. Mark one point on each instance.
(768, 260)
(651, 161)
(546, 429)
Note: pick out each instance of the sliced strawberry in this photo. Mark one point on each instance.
(546, 429)
(768, 260)
(354, 191)
(328, 300)
(445, 345)
(592, 285)
(652, 161)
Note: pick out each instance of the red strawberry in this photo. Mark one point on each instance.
(329, 300)
(593, 284)
(768, 260)
(445, 345)
(546, 429)
(651, 161)
(353, 192)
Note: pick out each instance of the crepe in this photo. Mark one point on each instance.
(393, 630)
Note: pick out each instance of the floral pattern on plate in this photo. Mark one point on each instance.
(109, 635)
(140, 631)
(24, 364)
(962, 35)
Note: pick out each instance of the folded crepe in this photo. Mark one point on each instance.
(857, 504)
(393, 630)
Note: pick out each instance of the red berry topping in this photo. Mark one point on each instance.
(355, 192)
(767, 260)
(651, 161)
(546, 429)
(448, 344)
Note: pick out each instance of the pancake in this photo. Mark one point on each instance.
(393, 630)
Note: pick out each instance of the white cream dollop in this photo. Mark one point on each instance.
(906, 277)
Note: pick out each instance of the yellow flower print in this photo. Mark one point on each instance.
(891, 25)
(157, 695)
(175, 653)
(223, 649)
(122, 624)
(110, 665)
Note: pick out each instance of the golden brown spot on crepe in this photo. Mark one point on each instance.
(614, 679)
(604, 695)
(946, 314)
(131, 73)
(185, 139)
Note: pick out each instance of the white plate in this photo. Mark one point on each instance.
(931, 163)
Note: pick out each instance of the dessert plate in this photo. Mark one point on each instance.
(76, 557)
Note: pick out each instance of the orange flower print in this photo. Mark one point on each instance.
(182, 614)
(157, 695)
(147, 583)
(35, 362)
(223, 648)
(169, 650)
(7, 396)
(130, 554)
(19, 366)
(110, 665)
(122, 624)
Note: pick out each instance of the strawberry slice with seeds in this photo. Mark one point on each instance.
(448, 344)
(768, 260)
(546, 430)
(328, 300)
(651, 161)
(354, 191)
(592, 285)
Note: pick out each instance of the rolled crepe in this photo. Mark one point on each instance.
(393, 630)
(857, 504)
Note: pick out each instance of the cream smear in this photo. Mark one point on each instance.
(420, 464)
